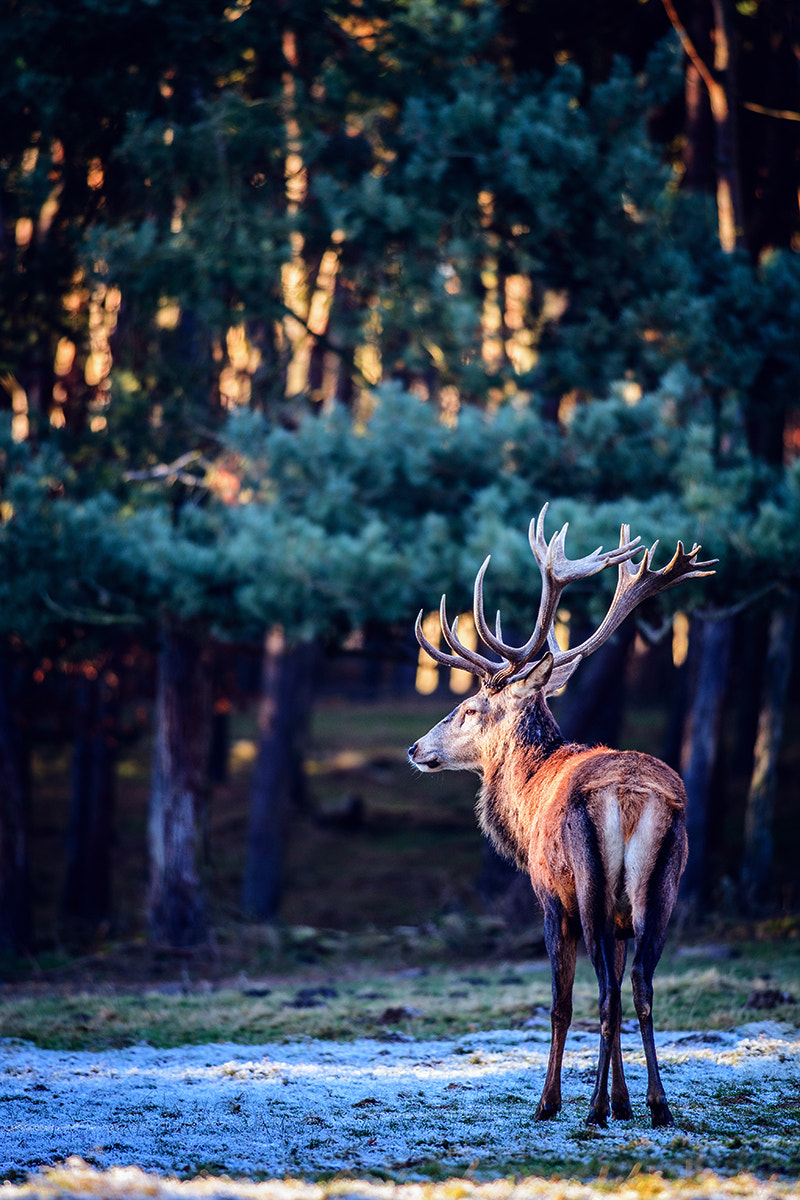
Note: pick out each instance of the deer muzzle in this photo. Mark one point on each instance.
(422, 759)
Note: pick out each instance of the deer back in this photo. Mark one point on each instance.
(577, 812)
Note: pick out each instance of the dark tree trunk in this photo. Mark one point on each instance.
(709, 651)
(219, 748)
(15, 910)
(758, 843)
(278, 777)
(725, 108)
(176, 910)
(594, 700)
(86, 902)
(698, 152)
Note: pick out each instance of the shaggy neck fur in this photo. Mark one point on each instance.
(525, 741)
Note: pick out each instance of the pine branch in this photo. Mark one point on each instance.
(172, 472)
(90, 616)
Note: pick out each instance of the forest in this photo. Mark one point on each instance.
(305, 309)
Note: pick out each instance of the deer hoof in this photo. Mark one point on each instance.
(661, 1115)
(622, 1112)
(546, 1112)
(599, 1119)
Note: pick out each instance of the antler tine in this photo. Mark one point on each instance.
(463, 659)
(447, 660)
(637, 582)
(479, 665)
(557, 571)
(514, 656)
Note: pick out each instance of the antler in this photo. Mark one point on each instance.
(634, 584)
(557, 571)
(463, 658)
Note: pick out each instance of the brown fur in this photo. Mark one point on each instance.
(537, 794)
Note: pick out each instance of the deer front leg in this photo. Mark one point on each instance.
(561, 942)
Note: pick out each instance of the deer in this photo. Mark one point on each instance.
(601, 832)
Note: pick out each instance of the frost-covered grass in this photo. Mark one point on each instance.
(399, 1110)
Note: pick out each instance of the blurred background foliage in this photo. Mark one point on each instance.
(308, 307)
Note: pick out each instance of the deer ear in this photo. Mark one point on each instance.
(537, 679)
(560, 676)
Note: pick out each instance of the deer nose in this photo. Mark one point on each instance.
(412, 750)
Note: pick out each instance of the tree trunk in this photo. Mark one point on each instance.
(725, 107)
(698, 150)
(15, 910)
(176, 910)
(592, 707)
(709, 650)
(278, 776)
(219, 749)
(711, 26)
(757, 863)
(86, 901)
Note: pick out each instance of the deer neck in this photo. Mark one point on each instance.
(521, 750)
(537, 728)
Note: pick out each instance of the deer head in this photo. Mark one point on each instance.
(539, 667)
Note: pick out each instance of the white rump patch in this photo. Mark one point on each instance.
(613, 842)
(639, 854)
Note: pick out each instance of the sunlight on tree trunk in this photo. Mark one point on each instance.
(723, 96)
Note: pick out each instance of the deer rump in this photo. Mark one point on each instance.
(604, 832)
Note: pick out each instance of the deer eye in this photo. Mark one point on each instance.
(470, 712)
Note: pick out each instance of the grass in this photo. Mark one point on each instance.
(339, 997)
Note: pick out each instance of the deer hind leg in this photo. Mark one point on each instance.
(650, 930)
(602, 951)
(620, 1100)
(592, 889)
(561, 939)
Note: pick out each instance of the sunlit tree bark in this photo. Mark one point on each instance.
(712, 23)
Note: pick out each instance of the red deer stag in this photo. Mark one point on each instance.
(601, 832)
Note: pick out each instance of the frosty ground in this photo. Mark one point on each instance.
(402, 1110)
